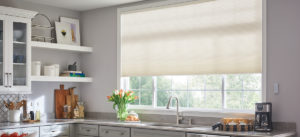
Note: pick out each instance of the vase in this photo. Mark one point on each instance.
(122, 112)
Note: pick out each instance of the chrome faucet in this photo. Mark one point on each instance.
(178, 116)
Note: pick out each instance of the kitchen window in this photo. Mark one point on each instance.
(208, 53)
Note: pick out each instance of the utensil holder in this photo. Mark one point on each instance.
(14, 116)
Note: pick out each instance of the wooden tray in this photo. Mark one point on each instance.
(30, 121)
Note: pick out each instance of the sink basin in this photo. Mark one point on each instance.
(169, 125)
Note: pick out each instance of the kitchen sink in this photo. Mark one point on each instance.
(196, 127)
(169, 125)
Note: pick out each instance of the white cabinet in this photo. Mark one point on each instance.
(108, 131)
(155, 133)
(15, 50)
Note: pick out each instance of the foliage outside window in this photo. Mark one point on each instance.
(210, 92)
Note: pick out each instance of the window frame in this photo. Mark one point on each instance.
(147, 109)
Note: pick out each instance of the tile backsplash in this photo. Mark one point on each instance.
(8, 97)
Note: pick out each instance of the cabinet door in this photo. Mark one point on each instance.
(20, 57)
(3, 76)
(155, 133)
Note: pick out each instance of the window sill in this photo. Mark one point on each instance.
(194, 112)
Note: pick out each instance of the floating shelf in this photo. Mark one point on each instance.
(64, 47)
(60, 79)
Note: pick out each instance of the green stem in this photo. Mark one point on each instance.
(122, 111)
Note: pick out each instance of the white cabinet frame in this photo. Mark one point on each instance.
(9, 16)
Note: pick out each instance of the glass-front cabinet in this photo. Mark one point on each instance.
(15, 52)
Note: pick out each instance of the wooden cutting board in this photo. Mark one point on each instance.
(60, 101)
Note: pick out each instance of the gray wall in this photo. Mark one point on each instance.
(283, 59)
(43, 92)
(99, 29)
(283, 66)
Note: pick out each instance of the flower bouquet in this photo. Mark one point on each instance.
(121, 99)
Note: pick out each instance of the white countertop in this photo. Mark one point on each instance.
(147, 125)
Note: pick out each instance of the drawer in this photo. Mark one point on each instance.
(88, 130)
(33, 131)
(9, 131)
(108, 131)
(55, 130)
(135, 132)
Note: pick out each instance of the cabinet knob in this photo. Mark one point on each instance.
(106, 132)
(88, 130)
(122, 134)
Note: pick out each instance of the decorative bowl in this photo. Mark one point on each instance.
(18, 34)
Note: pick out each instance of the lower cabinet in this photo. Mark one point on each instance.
(135, 132)
(109, 131)
(55, 131)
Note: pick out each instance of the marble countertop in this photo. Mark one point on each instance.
(149, 125)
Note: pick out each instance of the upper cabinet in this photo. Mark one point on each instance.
(15, 50)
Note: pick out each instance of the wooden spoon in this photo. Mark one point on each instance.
(11, 106)
(6, 105)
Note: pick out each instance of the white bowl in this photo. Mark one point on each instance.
(18, 34)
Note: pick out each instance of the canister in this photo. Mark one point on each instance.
(36, 68)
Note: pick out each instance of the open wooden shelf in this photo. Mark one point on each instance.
(60, 79)
(63, 47)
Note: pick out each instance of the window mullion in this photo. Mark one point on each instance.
(140, 100)
(154, 89)
(223, 93)
(242, 95)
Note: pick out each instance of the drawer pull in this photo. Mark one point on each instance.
(87, 130)
(122, 134)
(106, 132)
(52, 131)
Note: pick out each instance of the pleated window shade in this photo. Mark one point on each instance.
(215, 37)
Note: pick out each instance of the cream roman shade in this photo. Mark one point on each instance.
(215, 37)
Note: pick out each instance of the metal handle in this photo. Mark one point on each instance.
(88, 130)
(9, 77)
(106, 132)
(5, 80)
(122, 134)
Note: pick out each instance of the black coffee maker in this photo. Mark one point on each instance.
(263, 117)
